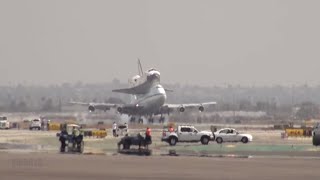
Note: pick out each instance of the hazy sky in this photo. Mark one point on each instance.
(196, 42)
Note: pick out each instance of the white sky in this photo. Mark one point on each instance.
(195, 42)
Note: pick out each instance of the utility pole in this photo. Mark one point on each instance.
(233, 105)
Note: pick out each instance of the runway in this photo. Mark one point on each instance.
(41, 166)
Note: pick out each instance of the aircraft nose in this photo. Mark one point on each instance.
(162, 98)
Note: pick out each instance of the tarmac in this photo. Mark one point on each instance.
(42, 166)
(34, 155)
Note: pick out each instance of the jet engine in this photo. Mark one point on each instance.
(181, 109)
(201, 108)
(91, 108)
(119, 109)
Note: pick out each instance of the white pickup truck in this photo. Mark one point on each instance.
(187, 134)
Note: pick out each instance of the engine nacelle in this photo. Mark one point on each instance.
(91, 108)
(181, 109)
(201, 108)
(119, 109)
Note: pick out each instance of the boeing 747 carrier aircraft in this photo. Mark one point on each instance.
(148, 99)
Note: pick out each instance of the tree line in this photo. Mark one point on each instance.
(278, 101)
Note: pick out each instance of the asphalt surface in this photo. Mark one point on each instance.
(41, 166)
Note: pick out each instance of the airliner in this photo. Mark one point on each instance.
(148, 99)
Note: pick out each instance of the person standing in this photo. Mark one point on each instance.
(48, 125)
(75, 134)
(63, 138)
(148, 135)
(114, 129)
(171, 129)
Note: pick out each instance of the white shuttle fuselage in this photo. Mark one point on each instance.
(155, 95)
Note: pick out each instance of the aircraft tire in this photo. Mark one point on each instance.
(244, 140)
(219, 140)
(173, 141)
(132, 120)
(161, 120)
(151, 121)
(205, 140)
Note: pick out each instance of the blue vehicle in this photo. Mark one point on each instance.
(71, 141)
(138, 140)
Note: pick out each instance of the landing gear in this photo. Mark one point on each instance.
(133, 119)
(140, 121)
(150, 120)
(161, 120)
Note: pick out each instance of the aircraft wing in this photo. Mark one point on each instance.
(141, 89)
(129, 109)
(182, 107)
(93, 106)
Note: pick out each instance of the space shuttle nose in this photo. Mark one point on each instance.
(154, 76)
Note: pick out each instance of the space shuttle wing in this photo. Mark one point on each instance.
(127, 91)
(182, 107)
(141, 89)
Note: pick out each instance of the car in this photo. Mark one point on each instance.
(231, 135)
(187, 133)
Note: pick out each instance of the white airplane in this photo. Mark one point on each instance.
(148, 99)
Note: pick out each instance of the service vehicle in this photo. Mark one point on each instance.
(187, 133)
(35, 124)
(70, 142)
(122, 130)
(4, 123)
(231, 135)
